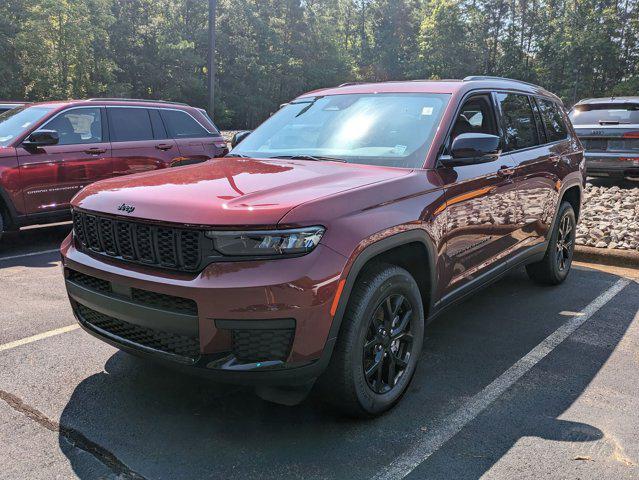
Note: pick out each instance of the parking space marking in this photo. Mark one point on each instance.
(40, 336)
(422, 449)
(33, 254)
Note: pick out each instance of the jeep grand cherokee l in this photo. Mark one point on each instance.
(609, 131)
(322, 245)
(49, 151)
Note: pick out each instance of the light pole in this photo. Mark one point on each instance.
(211, 66)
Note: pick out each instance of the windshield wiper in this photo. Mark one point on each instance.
(314, 158)
(236, 155)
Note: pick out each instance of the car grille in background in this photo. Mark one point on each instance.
(262, 345)
(167, 342)
(159, 246)
(611, 144)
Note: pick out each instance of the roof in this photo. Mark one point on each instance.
(109, 101)
(434, 86)
(605, 100)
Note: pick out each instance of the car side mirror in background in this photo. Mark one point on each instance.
(239, 136)
(472, 148)
(42, 138)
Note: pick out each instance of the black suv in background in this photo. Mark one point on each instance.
(609, 131)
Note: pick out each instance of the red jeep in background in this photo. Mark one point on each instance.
(50, 151)
(320, 247)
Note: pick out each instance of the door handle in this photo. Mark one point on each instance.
(505, 171)
(95, 151)
(164, 146)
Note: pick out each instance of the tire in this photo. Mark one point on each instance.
(555, 266)
(366, 340)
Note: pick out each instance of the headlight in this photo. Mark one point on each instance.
(267, 242)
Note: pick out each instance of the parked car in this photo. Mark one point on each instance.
(609, 131)
(321, 246)
(5, 106)
(50, 151)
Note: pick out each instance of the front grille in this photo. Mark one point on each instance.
(262, 345)
(143, 297)
(188, 347)
(138, 242)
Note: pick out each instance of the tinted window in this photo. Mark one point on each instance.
(77, 126)
(130, 124)
(181, 125)
(605, 113)
(519, 123)
(159, 132)
(553, 120)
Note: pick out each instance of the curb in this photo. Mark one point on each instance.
(607, 256)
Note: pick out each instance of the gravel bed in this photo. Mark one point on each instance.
(610, 218)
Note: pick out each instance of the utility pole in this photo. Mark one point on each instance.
(211, 66)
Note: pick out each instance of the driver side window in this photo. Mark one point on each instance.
(476, 116)
(78, 126)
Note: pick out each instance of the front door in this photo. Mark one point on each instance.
(480, 203)
(52, 175)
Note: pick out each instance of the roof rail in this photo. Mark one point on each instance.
(144, 100)
(489, 77)
(348, 84)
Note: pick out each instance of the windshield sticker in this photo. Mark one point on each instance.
(399, 149)
(427, 111)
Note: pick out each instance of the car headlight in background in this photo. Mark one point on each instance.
(267, 242)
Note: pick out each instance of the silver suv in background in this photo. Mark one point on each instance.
(609, 131)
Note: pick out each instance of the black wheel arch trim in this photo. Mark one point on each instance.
(374, 250)
(9, 208)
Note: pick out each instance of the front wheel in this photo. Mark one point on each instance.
(379, 343)
(555, 266)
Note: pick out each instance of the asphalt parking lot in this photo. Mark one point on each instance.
(520, 381)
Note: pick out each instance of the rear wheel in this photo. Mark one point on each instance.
(379, 343)
(555, 266)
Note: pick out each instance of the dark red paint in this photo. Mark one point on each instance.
(475, 217)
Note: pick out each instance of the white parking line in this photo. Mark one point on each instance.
(421, 450)
(33, 254)
(39, 336)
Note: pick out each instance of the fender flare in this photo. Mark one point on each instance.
(5, 201)
(416, 235)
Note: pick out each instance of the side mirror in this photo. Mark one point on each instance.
(239, 136)
(473, 148)
(42, 138)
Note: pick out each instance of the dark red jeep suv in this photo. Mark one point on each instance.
(319, 248)
(50, 151)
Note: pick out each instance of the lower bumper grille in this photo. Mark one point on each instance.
(187, 347)
(262, 345)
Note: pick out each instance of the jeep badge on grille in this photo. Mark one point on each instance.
(126, 208)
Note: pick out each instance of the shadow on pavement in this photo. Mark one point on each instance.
(32, 241)
(165, 425)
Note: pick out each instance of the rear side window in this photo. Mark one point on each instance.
(130, 124)
(519, 122)
(553, 120)
(181, 125)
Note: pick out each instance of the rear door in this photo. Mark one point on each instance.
(538, 157)
(139, 141)
(196, 142)
(53, 175)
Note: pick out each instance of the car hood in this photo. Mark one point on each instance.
(228, 191)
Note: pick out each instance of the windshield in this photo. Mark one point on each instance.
(393, 130)
(15, 122)
(603, 114)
